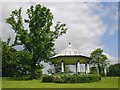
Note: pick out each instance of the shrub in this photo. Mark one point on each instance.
(47, 78)
(68, 78)
(58, 79)
(94, 77)
(72, 78)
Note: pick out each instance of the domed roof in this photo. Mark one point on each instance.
(69, 51)
(70, 56)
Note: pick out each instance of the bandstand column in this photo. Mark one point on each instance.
(85, 68)
(62, 66)
(53, 67)
(88, 68)
(78, 66)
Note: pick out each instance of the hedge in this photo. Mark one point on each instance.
(72, 78)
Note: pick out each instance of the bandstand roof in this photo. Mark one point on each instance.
(70, 55)
(69, 51)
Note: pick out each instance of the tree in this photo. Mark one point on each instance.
(8, 59)
(114, 70)
(38, 38)
(14, 63)
(99, 59)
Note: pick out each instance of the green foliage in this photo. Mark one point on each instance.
(99, 59)
(15, 63)
(22, 70)
(72, 78)
(24, 57)
(38, 73)
(0, 57)
(114, 70)
(93, 70)
(48, 78)
(38, 39)
(8, 60)
(57, 68)
(58, 79)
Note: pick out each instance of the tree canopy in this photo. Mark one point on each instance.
(39, 38)
(99, 59)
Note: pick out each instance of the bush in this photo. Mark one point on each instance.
(94, 77)
(72, 78)
(58, 79)
(47, 78)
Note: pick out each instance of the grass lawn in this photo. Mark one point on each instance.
(104, 83)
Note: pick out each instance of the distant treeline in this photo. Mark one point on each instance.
(114, 70)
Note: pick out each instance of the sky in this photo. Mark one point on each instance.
(91, 25)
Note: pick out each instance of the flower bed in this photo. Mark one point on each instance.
(72, 78)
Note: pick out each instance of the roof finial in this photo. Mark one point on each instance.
(69, 43)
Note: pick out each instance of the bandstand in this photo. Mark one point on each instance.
(71, 56)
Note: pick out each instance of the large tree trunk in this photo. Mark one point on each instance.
(32, 75)
(33, 70)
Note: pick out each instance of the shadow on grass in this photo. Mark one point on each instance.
(17, 78)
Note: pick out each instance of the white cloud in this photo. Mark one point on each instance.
(87, 48)
(84, 26)
(112, 59)
(15, 0)
(7, 8)
(0, 19)
(7, 32)
(60, 1)
(111, 12)
(0, 29)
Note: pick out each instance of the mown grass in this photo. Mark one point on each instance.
(17, 83)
